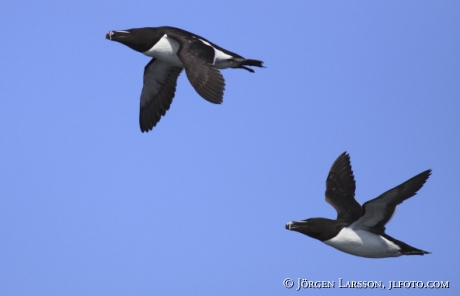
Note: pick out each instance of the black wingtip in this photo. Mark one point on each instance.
(423, 177)
(149, 120)
(344, 155)
(343, 161)
(146, 127)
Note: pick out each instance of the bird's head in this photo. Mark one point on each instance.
(140, 40)
(313, 227)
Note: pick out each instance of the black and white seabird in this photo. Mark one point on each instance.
(173, 49)
(360, 230)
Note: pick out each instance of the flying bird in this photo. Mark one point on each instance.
(360, 230)
(173, 49)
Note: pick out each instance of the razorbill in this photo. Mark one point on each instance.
(360, 230)
(173, 49)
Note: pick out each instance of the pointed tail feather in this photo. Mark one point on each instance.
(249, 62)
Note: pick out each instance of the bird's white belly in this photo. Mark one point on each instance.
(166, 50)
(364, 244)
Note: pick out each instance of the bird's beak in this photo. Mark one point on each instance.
(109, 35)
(116, 35)
(295, 225)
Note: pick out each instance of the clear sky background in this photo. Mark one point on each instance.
(92, 206)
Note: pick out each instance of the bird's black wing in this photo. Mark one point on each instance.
(378, 211)
(157, 93)
(197, 58)
(340, 189)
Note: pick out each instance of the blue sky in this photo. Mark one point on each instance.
(92, 206)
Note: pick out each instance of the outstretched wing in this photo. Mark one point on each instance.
(340, 189)
(378, 212)
(157, 93)
(197, 58)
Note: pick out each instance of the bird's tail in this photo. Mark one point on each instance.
(415, 252)
(405, 249)
(249, 62)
